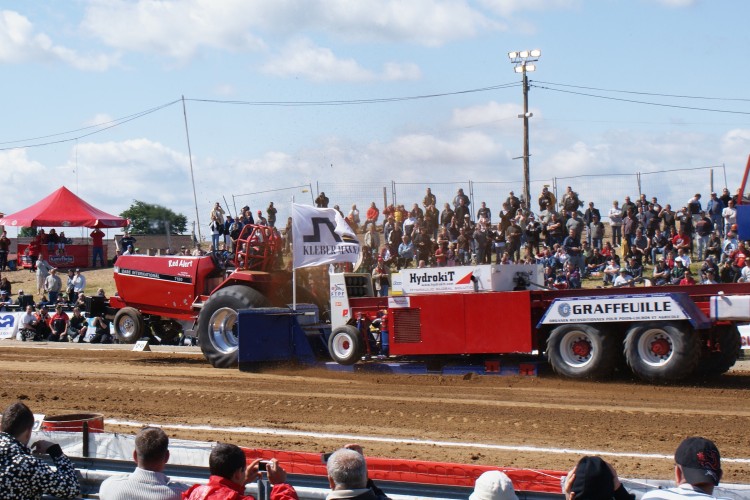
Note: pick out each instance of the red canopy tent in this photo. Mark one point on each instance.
(62, 209)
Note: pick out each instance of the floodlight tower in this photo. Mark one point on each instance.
(523, 62)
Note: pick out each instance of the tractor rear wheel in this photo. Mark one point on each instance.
(129, 325)
(217, 323)
(345, 345)
(582, 351)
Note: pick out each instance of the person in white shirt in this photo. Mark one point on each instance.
(730, 216)
(697, 472)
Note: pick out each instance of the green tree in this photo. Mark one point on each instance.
(27, 232)
(147, 218)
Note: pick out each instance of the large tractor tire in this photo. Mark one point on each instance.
(722, 358)
(659, 352)
(129, 325)
(582, 351)
(217, 323)
(345, 345)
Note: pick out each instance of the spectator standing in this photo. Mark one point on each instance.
(371, 217)
(484, 213)
(714, 209)
(128, 241)
(271, 214)
(381, 279)
(322, 200)
(230, 473)
(148, 481)
(588, 218)
(97, 246)
(546, 200)
(703, 229)
(694, 205)
(461, 196)
(42, 271)
(697, 471)
(729, 214)
(79, 284)
(22, 474)
(446, 216)
(4, 249)
(52, 285)
(429, 199)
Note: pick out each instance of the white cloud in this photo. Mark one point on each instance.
(98, 119)
(490, 115)
(173, 28)
(179, 29)
(678, 4)
(302, 58)
(20, 43)
(510, 7)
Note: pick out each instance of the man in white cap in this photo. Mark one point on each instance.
(493, 485)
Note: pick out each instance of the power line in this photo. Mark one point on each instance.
(648, 93)
(99, 128)
(357, 101)
(663, 105)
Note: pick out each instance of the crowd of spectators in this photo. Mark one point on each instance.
(23, 474)
(568, 239)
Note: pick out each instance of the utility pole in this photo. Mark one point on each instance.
(523, 63)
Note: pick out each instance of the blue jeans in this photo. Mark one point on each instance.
(98, 252)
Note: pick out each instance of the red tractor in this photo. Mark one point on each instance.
(169, 294)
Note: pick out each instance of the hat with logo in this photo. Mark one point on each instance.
(699, 460)
(493, 485)
(593, 479)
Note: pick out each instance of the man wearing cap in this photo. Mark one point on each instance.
(624, 279)
(697, 471)
(594, 479)
(5, 300)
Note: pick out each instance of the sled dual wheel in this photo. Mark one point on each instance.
(726, 348)
(345, 345)
(217, 323)
(129, 325)
(582, 351)
(659, 352)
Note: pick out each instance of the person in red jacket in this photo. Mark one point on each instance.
(371, 217)
(230, 473)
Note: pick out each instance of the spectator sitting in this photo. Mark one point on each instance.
(493, 485)
(594, 479)
(148, 481)
(624, 279)
(697, 471)
(230, 473)
(24, 475)
(347, 475)
(709, 278)
(661, 274)
(78, 326)
(59, 325)
(101, 331)
(687, 278)
(27, 324)
(5, 300)
(43, 318)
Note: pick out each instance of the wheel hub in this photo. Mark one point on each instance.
(222, 330)
(660, 347)
(581, 348)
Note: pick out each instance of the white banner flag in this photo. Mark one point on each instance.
(321, 236)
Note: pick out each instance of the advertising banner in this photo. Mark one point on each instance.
(9, 324)
(657, 307)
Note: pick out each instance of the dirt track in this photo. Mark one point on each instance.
(546, 411)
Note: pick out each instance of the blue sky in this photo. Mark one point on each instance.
(75, 64)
